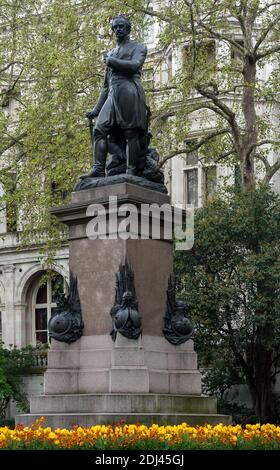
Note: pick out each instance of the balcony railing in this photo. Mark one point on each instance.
(35, 362)
(10, 240)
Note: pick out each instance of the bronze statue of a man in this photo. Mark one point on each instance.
(121, 107)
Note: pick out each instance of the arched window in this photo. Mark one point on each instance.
(44, 297)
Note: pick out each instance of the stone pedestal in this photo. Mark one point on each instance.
(96, 262)
(96, 364)
(96, 380)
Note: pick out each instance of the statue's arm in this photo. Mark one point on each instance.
(129, 66)
(102, 97)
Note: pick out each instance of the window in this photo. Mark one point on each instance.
(148, 78)
(44, 305)
(9, 184)
(191, 186)
(169, 67)
(192, 157)
(148, 30)
(210, 181)
(166, 69)
(191, 174)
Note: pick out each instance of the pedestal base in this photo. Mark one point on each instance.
(65, 411)
(97, 381)
(96, 364)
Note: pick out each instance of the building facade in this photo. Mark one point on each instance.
(25, 304)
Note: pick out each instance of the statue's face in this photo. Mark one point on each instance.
(120, 28)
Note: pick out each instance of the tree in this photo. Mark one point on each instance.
(13, 363)
(231, 283)
(224, 46)
(14, 37)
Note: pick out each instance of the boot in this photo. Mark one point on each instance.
(100, 154)
(96, 172)
(132, 154)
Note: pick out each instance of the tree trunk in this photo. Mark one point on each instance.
(250, 137)
(261, 385)
(247, 171)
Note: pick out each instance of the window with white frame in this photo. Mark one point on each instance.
(166, 69)
(149, 30)
(9, 185)
(192, 155)
(148, 78)
(191, 186)
(191, 174)
(170, 66)
(44, 303)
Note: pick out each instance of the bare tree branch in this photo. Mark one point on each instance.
(148, 11)
(215, 35)
(195, 146)
(220, 104)
(263, 142)
(271, 172)
(162, 115)
(223, 110)
(9, 65)
(268, 52)
(13, 141)
(224, 155)
(207, 105)
(264, 161)
(171, 155)
(266, 7)
(265, 33)
(158, 90)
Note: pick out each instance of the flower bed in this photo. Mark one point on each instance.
(133, 436)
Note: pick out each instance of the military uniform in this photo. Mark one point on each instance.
(122, 103)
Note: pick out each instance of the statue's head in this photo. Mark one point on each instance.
(121, 26)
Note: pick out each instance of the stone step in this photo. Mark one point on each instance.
(123, 403)
(106, 358)
(122, 379)
(59, 420)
